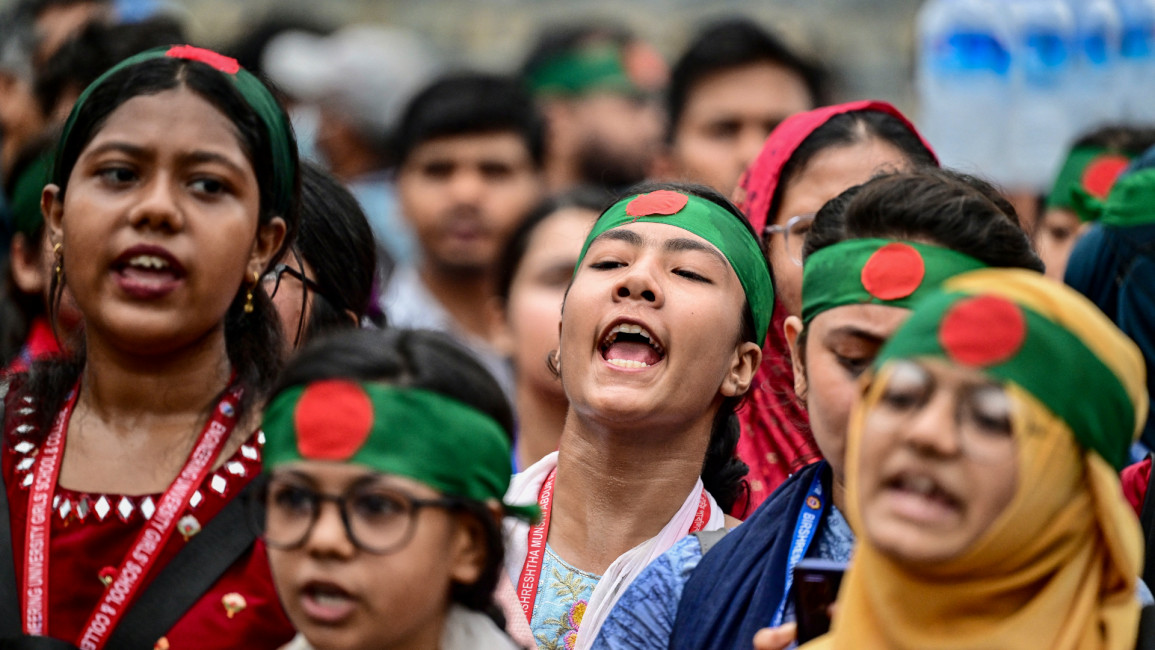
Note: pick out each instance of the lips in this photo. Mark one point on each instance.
(630, 345)
(920, 497)
(148, 272)
(326, 602)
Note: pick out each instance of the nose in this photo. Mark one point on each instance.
(466, 186)
(158, 207)
(934, 428)
(639, 282)
(328, 537)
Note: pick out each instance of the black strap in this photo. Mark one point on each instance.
(184, 580)
(708, 538)
(1147, 520)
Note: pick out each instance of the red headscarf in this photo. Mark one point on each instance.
(776, 438)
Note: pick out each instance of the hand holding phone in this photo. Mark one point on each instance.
(816, 584)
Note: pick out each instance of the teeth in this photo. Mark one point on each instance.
(329, 600)
(630, 328)
(148, 262)
(919, 485)
(627, 363)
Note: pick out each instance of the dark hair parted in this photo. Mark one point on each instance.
(429, 361)
(723, 473)
(943, 207)
(253, 340)
(733, 43)
(848, 129)
(470, 103)
(335, 239)
(585, 197)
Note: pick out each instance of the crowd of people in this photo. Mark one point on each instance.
(321, 340)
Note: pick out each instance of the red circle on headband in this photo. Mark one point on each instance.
(1100, 176)
(333, 420)
(893, 271)
(225, 64)
(983, 331)
(661, 203)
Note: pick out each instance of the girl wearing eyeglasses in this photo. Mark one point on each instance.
(809, 159)
(386, 460)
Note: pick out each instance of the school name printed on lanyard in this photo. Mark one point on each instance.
(804, 529)
(538, 534)
(142, 555)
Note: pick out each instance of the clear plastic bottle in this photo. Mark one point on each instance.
(1137, 51)
(1097, 88)
(1042, 122)
(963, 83)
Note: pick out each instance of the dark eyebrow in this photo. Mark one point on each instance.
(124, 147)
(856, 332)
(195, 157)
(199, 157)
(684, 244)
(622, 235)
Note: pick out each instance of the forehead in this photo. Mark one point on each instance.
(761, 88)
(645, 234)
(878, 321)
(176, 117)
(502, 146)
(835, 169)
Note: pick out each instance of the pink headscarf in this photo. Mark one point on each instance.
(776, 440)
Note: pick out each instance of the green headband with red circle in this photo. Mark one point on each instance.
(1086, 178)
(409, 432)
(1015, 344)
(255, 94)
(709, 221)
(877, 272)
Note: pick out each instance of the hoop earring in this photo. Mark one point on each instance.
(249, 294)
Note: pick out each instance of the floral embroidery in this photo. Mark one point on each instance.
(562, 602)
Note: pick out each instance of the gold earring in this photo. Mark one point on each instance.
(56, 252)
(249, 293)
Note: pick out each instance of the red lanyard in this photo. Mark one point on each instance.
(535, 551)
(152, 538)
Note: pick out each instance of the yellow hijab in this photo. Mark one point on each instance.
(1058, 568)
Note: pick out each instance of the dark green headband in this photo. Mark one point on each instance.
(877, 272)
(595, 67)
(1087, 176)
(255, 93)
(709, 221)
(408, 432)
(1131, 202)
(1015, 344)
(26, 191)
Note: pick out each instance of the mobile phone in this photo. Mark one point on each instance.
(816, 585)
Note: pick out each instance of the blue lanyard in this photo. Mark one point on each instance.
(804, 529)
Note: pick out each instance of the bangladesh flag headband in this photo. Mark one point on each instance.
(255, 93)
(1130, 202)
(581, 70)
(1013, 343)
(408, 432)
(1087, 175)
(877, 272)
(709, 221)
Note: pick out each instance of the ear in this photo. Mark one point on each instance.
(468, 553)
(747, 358)
(793, 329)
(270, 236)
(29, 272)
(52, 208)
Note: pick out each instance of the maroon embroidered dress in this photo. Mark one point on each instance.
(90, 535)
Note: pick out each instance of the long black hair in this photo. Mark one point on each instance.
(723, 473)
(430, 361)
(253, 340)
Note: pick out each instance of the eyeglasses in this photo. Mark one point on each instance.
(272, 283)
(379, 520)
(794, 233)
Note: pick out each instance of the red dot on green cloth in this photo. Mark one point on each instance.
(660, 203)
(893, 271)
(225, 64)
(333, 419)
(1100, 175)
(983, 331)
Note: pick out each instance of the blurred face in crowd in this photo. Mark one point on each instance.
(20, 117)
(464, 195)
(829, 173)
(937, 462)
(726, 119)
(840, 344)
(617, 137)
(1055, 238)
(536, 293)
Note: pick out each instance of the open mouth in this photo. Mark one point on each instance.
(924, 488)
(629, 345)
(148, 267)
(327, 602)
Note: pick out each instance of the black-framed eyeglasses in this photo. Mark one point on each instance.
(794, 234)
(272, 283)
(377, 519)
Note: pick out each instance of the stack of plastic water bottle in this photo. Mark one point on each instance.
(1007, 85)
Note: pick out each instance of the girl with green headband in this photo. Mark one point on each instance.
(872, 253)
(173, 190)
(386, 460)
(659, 340)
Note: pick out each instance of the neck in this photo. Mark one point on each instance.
(466, 296)
(615, 490)
(541, 418)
